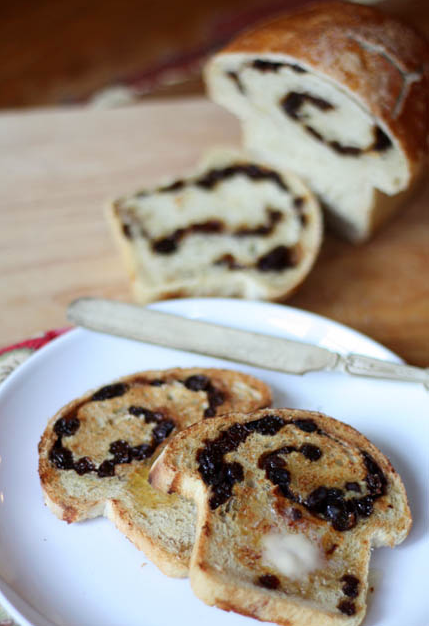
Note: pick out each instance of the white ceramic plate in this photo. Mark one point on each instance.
(88, 574)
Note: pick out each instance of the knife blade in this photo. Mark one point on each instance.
(266, 351)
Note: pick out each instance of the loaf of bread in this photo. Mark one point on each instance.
(289, 505)
(96, 452)
(232, 228)
(337, 93)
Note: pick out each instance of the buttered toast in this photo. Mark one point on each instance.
(289, 505)
(96, 452)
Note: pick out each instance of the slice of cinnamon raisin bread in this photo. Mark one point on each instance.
(290, 504)
(338, 93)
(234, 227)
(96, 452)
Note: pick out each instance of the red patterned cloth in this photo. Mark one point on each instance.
(14, 355)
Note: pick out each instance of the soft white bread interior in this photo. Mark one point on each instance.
(290, 504)
(337, 93)
(96, 452)
(233, 227)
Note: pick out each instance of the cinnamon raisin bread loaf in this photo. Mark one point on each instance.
(336, 92)
(290, 504)
(234, 227)
(96, 452)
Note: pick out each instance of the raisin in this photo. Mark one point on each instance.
(61, 457)
(137, 411)
(308, 426)
(163, 430)
(106, 468)
(375, 478)
(266, 66)
(255, 172)
(317, 498)
(270, 461)
(268, 425)
(121, 451)
(220, 494)
(293, 101)
(215, 397)
(84, 465)
(198, 382)
(346, 607)
(175, 186)
(167, 245)
(233, 472)
(350, 587)
(312, 453)
(110, 391)
(143, 451)
(345, 150)
(364, 506)
(279, 476)
(66, 426)
(381, 140)
(277, 260)
(269, 581)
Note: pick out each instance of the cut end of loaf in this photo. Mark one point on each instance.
(235, 227)
(338, 94)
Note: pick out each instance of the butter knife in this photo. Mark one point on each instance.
(265, 351)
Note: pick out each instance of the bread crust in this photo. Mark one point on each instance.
(125, 497)
(379, 60)
(213, 574)
(174, 565)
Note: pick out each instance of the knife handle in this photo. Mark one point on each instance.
(366, 366)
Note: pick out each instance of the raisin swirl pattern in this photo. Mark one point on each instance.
(337, 506)
(121, 451)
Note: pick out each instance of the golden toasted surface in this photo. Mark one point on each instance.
(95, 453)
(289, 505)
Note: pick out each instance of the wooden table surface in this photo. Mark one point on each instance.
(59, 167)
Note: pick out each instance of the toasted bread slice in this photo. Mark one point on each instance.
(96, 452)
(289, 505)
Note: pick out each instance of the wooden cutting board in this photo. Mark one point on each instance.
(58, 168)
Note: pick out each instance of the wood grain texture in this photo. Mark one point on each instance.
(59, 168)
